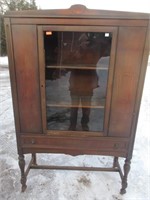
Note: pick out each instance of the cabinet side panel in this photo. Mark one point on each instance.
(130, 48)
(27, 77)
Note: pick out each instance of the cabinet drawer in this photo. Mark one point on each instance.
(90, 145)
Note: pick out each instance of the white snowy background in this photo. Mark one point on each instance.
(74, 185)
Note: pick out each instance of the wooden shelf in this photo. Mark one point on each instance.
(74, 106)
(77, 67)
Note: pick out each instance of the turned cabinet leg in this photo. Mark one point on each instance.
(115, 162)
(22, 169)
(124, 180)
(34, 159)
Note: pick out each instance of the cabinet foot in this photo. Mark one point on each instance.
(22, 169)
(124, 179)
(23, 188)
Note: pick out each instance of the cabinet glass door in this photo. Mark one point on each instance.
(76, 79)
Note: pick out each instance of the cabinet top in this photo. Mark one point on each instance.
(77, 11)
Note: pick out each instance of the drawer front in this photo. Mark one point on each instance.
(94, 145)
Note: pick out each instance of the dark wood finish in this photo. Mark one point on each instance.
(75, 145)
(124, 180)
(91, 22)
(8, 34)
(131, 42)
(113, 30)
(128, 61)
(139, 91)
(27, 77)
(115, 162)
(34, 159)
(41, 76)
(22, 169)
(77, 11)
(12, 74)
(31, 165)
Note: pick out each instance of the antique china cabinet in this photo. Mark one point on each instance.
(76, 76)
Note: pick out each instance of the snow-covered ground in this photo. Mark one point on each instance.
(71, 185)
(4, 61)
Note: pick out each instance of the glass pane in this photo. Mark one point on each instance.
(60, 119)
(76, 73)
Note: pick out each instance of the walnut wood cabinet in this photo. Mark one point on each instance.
(76, 77)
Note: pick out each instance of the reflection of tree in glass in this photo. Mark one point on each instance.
(84, 48)
(59, 116)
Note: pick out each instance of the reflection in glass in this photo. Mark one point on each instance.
(76, 79)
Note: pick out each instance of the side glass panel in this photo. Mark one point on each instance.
(76, 73)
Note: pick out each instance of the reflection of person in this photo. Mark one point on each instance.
(82, 51)
(82, 83)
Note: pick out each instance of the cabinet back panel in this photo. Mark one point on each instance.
(27, 77)
(130, 48)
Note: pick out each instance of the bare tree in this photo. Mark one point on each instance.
(6, 5)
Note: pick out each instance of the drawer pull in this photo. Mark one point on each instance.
(116, 146)
(33, 141)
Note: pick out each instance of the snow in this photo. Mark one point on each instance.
(4, 60)
(128, 5)
(71, 185)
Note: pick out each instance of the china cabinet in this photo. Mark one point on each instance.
(76, 76)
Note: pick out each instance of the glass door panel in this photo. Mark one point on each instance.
(76, 76)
